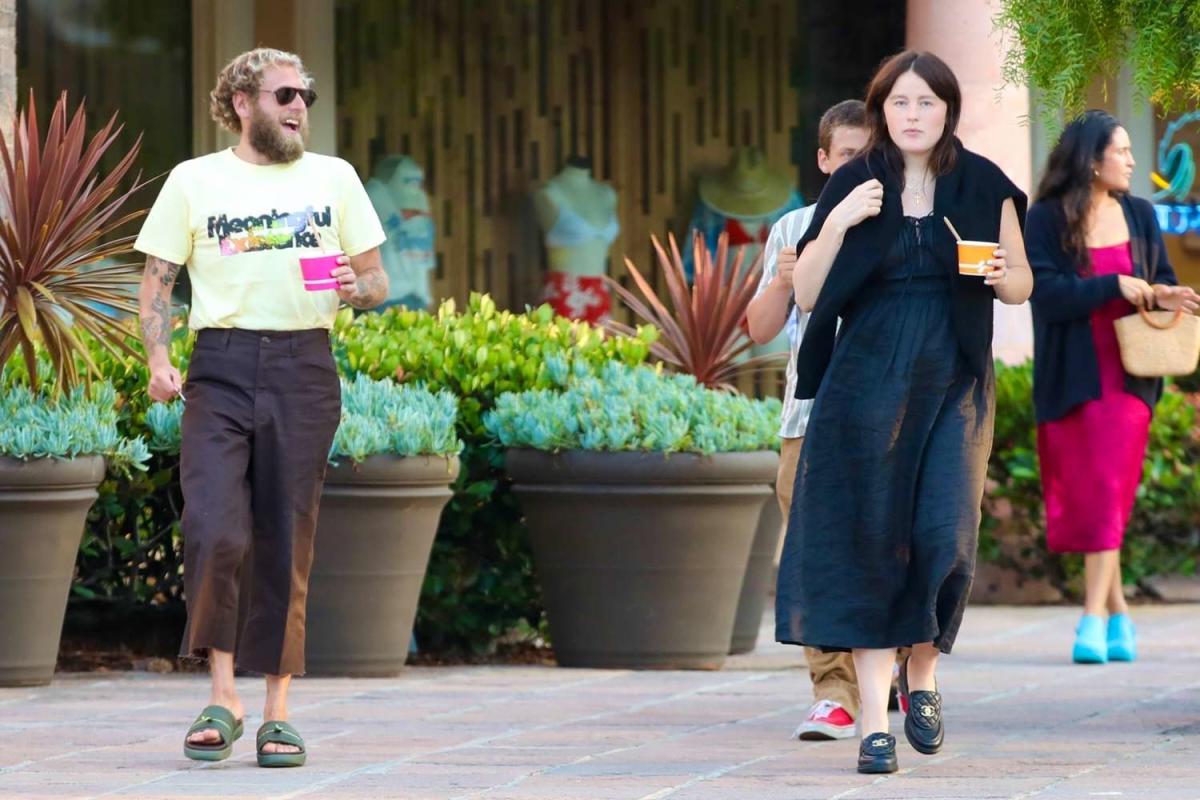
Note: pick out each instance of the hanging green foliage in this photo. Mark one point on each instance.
(1060, 48)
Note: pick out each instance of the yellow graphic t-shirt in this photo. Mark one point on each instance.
(241, 229)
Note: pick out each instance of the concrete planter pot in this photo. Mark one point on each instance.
(376, 528)
(43, 507)
(641, 556)
(759, 571)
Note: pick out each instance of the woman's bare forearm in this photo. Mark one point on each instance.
(813, 265)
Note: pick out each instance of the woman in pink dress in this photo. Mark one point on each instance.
(1097, 254)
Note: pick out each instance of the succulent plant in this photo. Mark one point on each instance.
(382, 417)
(618, 408)
(34, 424)
(378, 418)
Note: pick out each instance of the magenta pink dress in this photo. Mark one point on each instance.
(1091, 459)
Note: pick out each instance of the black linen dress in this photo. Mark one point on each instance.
(884, 524)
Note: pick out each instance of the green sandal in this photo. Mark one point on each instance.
(280, 733)
(213, 718)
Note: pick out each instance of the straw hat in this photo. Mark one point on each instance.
(748, 187)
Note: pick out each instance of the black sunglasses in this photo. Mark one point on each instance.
(286, 94)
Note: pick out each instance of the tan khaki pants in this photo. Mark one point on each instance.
(832, 674)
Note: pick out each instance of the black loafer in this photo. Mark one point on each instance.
(923, 723)
(877, 754)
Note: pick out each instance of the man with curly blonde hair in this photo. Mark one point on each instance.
(262, 395)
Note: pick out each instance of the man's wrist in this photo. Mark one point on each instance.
(158, 358)
(781, 285)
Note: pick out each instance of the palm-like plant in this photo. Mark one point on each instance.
(702, 331)
(57, 216)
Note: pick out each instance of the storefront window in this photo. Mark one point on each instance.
(132, 57)
(1176, 193)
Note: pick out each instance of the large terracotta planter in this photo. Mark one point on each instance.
(641, 556)
(43, 507)
(376, 528)
(757, 584)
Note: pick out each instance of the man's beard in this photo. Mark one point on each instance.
(267, 138)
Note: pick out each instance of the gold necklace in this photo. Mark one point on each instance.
(918, 192)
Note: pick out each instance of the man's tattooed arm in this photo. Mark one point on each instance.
(372, 281)
(154, 302)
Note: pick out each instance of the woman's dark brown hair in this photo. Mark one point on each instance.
(941, 80)
(1068, 178)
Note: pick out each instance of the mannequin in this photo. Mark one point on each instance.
(578, 216)
(397, 193)
(744, 200)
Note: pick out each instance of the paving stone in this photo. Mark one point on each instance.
(1022, 722)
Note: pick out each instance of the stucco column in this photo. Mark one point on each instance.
(316, 43)
(8, 64)
(993, 120)
(221, 29)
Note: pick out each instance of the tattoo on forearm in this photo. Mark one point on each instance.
(156, 310)
(172, 272)
(372, 289)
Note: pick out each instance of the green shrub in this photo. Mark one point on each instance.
(1162, 535)
(132, 552)
(478, 354)
(632, 408)
(480, 584)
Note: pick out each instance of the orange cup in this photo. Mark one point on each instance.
(973, 258)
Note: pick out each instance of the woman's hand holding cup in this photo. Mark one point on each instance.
(998, 273)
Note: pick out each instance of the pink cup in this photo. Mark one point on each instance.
(318, 271)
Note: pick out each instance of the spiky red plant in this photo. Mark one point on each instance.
(58, 215)
(702, 331)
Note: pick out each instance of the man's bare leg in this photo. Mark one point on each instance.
(275, 710)
(224, 693)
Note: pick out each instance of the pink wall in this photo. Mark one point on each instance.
(993, 119)
(961, 33)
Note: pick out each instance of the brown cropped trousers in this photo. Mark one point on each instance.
(261, 411)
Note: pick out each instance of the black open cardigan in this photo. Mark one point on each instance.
(970, 195)
(1065, 370)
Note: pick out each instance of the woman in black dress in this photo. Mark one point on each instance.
(880, 548)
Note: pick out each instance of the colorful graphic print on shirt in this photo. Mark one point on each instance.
(276, 230)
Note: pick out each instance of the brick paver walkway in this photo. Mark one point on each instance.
(1022, 723)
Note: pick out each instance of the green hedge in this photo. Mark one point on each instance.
(480, 587)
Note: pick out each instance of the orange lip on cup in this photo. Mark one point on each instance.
(973, 258)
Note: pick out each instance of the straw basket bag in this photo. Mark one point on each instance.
(1159, 343)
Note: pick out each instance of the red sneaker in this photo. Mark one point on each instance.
(826, 720)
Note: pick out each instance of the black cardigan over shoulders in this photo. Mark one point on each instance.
(1065, 370)
(970, 196)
